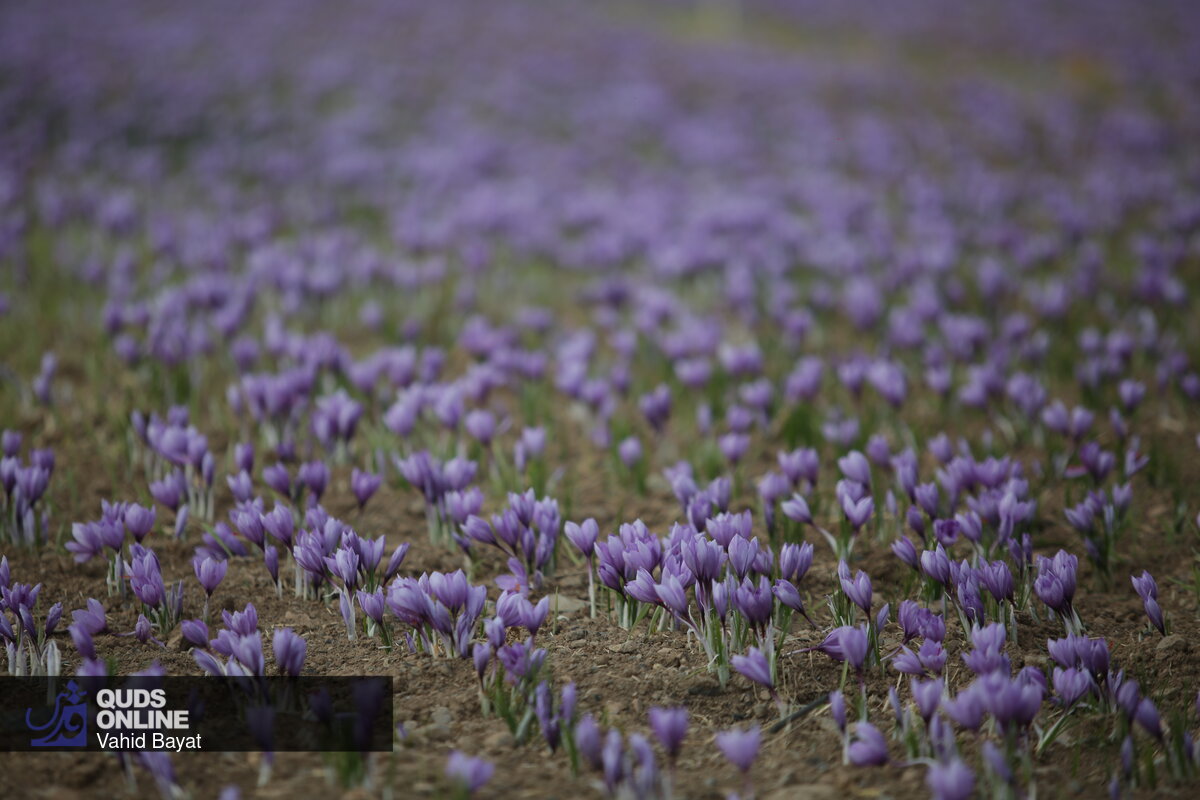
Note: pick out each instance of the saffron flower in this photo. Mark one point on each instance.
(869, 748)
(740, 746)
(670, 727)
(469, 773)
(290, 650)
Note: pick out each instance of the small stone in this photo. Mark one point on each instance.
(564, 604)
(1171, 644)
(498, 740)
(442, 716)
(438, 732)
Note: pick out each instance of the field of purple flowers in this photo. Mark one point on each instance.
(784, 398)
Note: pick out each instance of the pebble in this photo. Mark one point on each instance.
(442, 716)
(498, 740)
(1171, 644)
(438, 732)
(565, 604)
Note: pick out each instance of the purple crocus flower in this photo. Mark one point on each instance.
(733, 446)
(280, 524)
(396, 559)
(468, 772)
(630, 451)
(1071, 685)
(670, 727)
(481, 655)
(936, 565)
(244, 622)
(80, 637)
(364, 485)
(587, 741)
(209, 572)
(1146, 715)
(740, 747)
(858, 512)
(241, 486)
(837, 709)
(92, 619)
(1055, 583)
(869, 748)
(139, 521)
(742, 554)
(372, 604)
(86, 542)
(195, 632)
(544, 710)
(243, 456)
(583, 535)
(755, 603)
(754, 666)
(858, 590)
(966, 708)
(1147, 589)
(271, 560)
(846, 643)
(481, 425)
(290, 650)
(672, 595)
(145, 578)
(796, 509)
(928, 696)
(170, 491)
(276, 476)
(795, 561)
(315, 476)
(952, 780)
(906, 551)
(855, 467)
(143, 631)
